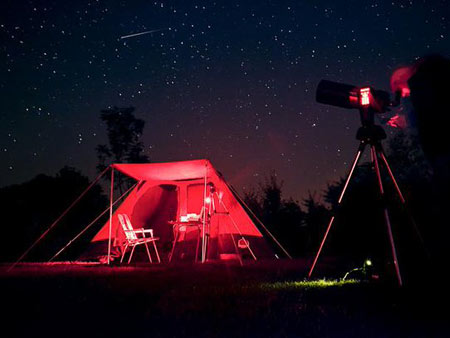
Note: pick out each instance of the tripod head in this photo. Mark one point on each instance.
(369, 132)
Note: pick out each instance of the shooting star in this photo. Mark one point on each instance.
(141, 33)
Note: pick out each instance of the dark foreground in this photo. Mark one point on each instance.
(259, 300)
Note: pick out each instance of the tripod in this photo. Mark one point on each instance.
(370, 135)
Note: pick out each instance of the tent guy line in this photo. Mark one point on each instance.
(94, 182)
(93, 222)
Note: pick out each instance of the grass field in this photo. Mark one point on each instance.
(211, 300)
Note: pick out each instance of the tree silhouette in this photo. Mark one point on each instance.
(124, 132)
(32, 206)
(429, 86)
(283, 218)
(271, 201)
(315, 222)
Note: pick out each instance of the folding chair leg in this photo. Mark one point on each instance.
(148, 252)
(123, 253)
(157, 253)
(131, 255)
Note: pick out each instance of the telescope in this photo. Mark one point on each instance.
(368, 100)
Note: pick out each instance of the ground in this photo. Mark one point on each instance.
(263, 299)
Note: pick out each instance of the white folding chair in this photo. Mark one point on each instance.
(132, 239)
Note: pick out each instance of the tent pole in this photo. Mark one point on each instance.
(110, 214)
(59, 218)
(204, 217)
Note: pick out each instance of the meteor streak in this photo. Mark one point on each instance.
(141, 33)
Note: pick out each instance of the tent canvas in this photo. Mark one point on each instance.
(167, 192)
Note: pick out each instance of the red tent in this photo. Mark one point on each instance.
(168, 192)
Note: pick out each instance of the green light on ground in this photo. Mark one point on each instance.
(308, 284)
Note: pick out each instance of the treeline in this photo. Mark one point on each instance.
(359, 231)
(31, 207)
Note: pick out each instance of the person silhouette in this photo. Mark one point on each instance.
(429, 87)
(429, 90)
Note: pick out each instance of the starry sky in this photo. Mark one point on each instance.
(232, 81)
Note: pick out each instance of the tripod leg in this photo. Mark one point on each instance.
(386, 215)
(399, 192)
(362, 145)
(402, 199)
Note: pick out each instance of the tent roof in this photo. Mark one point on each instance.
(169, 171)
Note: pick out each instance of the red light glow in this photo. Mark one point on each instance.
(364, 96)
(353, 99)
(397, 121)
(399, 80)
(406, 92)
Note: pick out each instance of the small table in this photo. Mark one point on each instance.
(179, 227)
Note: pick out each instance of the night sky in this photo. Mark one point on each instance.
(232, 81)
